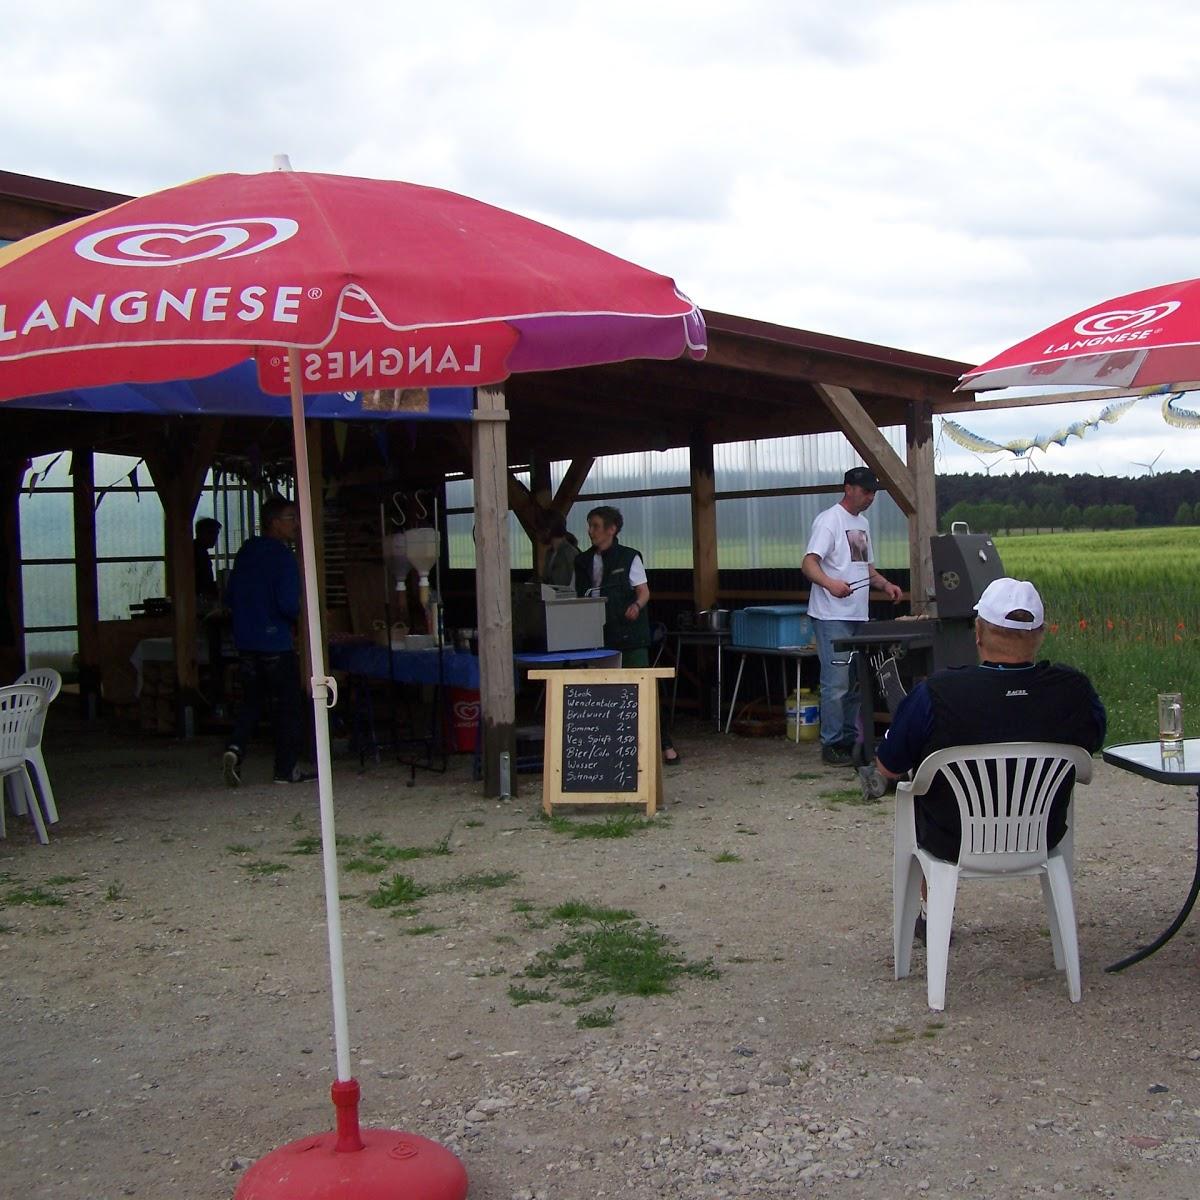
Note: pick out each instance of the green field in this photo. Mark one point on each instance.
(1124, 607)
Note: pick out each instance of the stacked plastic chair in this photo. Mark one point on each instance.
(50, 681)
(20, 707)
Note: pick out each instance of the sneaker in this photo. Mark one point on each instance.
(231, 768)
(835, 756)
(297, 776)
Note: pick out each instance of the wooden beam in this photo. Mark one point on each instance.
(922, 523)
(572, 483)
(87, 589)
(493, 590)
(704, 523)
(773, 358)
(864, 436)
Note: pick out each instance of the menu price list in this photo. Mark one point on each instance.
(600, 737)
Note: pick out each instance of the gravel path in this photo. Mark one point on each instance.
(169, 1022)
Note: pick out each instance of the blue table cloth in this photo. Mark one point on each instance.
(460, 669)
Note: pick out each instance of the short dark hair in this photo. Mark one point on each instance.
(207, 525)
(273, 509)
(609, 515)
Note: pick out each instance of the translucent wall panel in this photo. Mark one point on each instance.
(129, 525)
(460, 493)
(55, 650)
(49, 594)
(125, 583)
(47, 525)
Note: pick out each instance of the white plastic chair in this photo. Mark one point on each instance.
(1004, 793)
(20, 706)
(50, 680)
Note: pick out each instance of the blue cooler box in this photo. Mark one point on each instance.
(771, 627)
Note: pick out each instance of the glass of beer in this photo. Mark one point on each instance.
(1170, 717)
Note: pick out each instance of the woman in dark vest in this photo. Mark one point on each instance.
(618, 574)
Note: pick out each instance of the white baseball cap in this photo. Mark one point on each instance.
(1005, 596)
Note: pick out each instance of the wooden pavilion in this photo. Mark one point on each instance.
(758, 381)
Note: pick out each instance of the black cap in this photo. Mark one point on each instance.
(863, 478)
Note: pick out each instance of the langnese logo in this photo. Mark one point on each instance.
(1118, 320)
(167, 245)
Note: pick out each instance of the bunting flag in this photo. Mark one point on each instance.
(1180, 418)
(1022, 446)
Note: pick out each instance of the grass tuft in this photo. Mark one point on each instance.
(574, 911)
(261, 867)
(36, 897)
(397, 891)
(727, 856)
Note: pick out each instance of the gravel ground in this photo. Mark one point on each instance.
(169, 1022)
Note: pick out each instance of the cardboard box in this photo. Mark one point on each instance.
(574, 624)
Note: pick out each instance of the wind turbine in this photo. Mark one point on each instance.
(1150, 465)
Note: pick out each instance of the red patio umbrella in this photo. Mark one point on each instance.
(328, 282)
(1141, 340)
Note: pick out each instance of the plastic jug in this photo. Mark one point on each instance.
(792, 712)
(809, 715)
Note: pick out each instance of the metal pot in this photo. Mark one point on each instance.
(713, 619)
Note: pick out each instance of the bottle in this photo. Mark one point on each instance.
(792, 712)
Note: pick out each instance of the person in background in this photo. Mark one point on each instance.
(617, 573)
(559, 565)
(208, 607)
(839, 565)
(264, 597)
(208, 529)
(1006, 697)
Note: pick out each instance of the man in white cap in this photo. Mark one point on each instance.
(1006, 697)
(840, 566)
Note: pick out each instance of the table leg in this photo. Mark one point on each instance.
(1175, 925)
(733, 701)
(675, 683)
(720, 660)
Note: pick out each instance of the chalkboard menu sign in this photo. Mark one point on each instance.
(600, 737)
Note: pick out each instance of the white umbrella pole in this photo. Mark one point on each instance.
(322, 688)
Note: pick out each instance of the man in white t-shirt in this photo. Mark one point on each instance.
(838, 564)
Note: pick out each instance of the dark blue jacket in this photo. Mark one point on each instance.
(264, 595)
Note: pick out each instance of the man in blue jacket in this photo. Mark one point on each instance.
(264, 598)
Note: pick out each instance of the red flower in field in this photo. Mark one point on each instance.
(1178, 638)
(1082, 623)
(1108, 624)
(1180, 626)
(1054, 627)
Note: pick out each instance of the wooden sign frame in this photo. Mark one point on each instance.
(649, 788)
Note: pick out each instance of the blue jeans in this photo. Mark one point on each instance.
(839, 686)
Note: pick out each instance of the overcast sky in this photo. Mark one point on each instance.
(946, 176)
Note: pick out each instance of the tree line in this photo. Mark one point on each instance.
(1033, 501)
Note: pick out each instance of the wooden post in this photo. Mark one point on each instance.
(12, 615)
(87, 587)
(493, 575)
(178, 465)
(922, 523)
(705, 566)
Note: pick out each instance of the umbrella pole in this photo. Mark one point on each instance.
(322, 687)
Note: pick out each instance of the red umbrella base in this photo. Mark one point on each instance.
(390, 1166)
(354, 1164)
